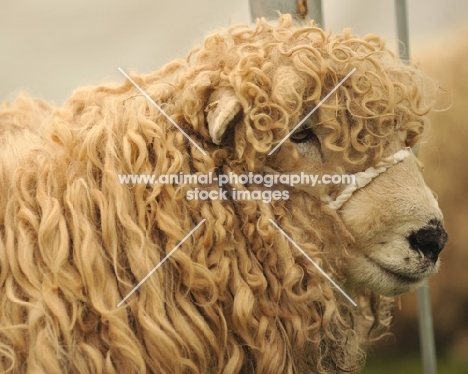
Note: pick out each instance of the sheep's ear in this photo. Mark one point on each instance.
(224, 109)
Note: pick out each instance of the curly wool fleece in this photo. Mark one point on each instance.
(236, 297)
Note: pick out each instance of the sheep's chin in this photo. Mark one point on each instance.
(389, 277)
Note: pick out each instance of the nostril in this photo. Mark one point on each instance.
(430, 240)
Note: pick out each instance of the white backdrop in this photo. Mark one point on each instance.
(51, 47)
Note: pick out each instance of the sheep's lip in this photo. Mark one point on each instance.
(401, 277)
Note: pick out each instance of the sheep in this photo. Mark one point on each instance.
(237, 296)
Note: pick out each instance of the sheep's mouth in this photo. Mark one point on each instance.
(404, 278)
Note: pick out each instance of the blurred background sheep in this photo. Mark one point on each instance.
(48, 48)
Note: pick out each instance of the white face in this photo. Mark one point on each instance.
(395, 220)
(398, 228)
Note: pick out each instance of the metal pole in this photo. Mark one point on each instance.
(270, 8)
(402, 29)
(298, 8)
(426, 328)
(315, 12)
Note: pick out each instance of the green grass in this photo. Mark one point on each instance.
(412, 365)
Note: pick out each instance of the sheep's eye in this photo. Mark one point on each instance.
(303, 136)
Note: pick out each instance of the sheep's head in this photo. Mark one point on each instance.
(398, 228)
(395, 220)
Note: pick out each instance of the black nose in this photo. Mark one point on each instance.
(430, 240)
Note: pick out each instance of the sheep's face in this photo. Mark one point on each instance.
(395, 220)
(398, 228)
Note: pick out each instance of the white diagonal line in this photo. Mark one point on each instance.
(312, 111)
(162, 261)
(313, 263)
(162, 111)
